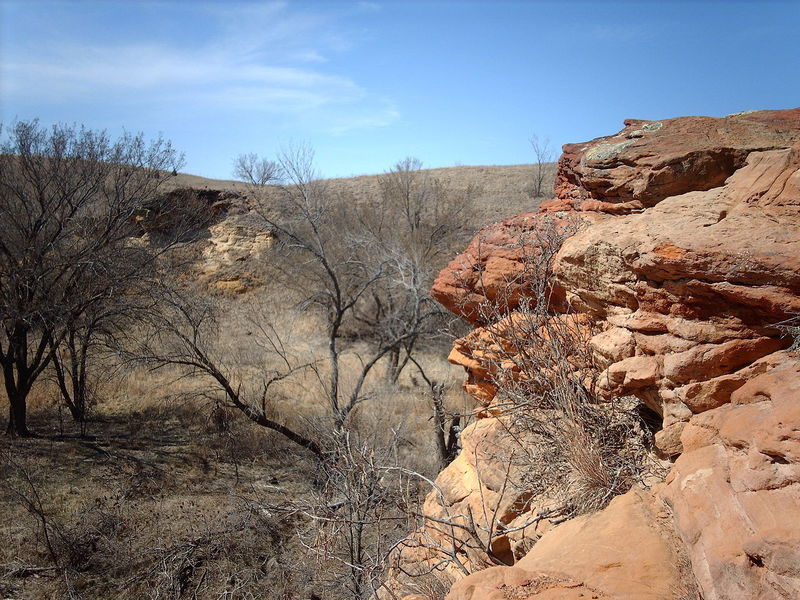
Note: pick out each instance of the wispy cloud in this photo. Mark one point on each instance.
(264, 58)
(369, 6)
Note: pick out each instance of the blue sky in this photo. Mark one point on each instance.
(369, 83)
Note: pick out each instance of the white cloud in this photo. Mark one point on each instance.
(263, 58)
(381, 118)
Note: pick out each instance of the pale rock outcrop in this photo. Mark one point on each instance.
(231, 245)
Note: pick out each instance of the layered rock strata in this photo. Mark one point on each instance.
(684, 261)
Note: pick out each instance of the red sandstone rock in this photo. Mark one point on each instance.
(712, 232)
(651, 160)
(701, 276)
(614, 344)
(713, 393)
(625, 552)
(489, 277)
(734, 491)
(490, 353)
(686, 256)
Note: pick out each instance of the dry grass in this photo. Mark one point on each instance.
(505, 190)
(156, 503)
(161, 500)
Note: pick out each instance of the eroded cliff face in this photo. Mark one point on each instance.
(685, 259)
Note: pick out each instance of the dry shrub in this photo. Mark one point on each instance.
(790, 328)
(405, 412)
(92, 521)
(570, 442)
(427, 586)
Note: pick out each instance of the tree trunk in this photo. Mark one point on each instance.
(391, 370)
(20, 370)
(17, 414)
(444, 434)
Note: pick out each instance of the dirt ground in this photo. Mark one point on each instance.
(160, 503)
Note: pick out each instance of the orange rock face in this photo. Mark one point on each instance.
(682, 258)
(592, 557)
(687, 287)
(493, 268)
(734, 491)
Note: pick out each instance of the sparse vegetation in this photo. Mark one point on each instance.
(791, 328)
(570, 440)
(365, 269)
(170, 492)
(564, 450)
(543, 172)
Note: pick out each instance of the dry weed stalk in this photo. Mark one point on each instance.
(790, 328)
(353, 517)
(459, 539)
(571, 444)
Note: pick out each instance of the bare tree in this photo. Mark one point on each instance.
(72, 362)
(417, 226)
(68, 201)
(183, 331)
(256, 170)
(446, 426)
(543, 156)
(337, 260)
(364, 268)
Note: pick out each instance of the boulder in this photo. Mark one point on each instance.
(591, 557)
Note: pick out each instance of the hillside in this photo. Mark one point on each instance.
(504, 189)
(222, 254)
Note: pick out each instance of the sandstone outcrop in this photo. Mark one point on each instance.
(234, 245)
(591, 557)
(229, 242)
(734, 490)
(649, 161)
(682, 260)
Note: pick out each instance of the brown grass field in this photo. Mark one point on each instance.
(503, 190)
